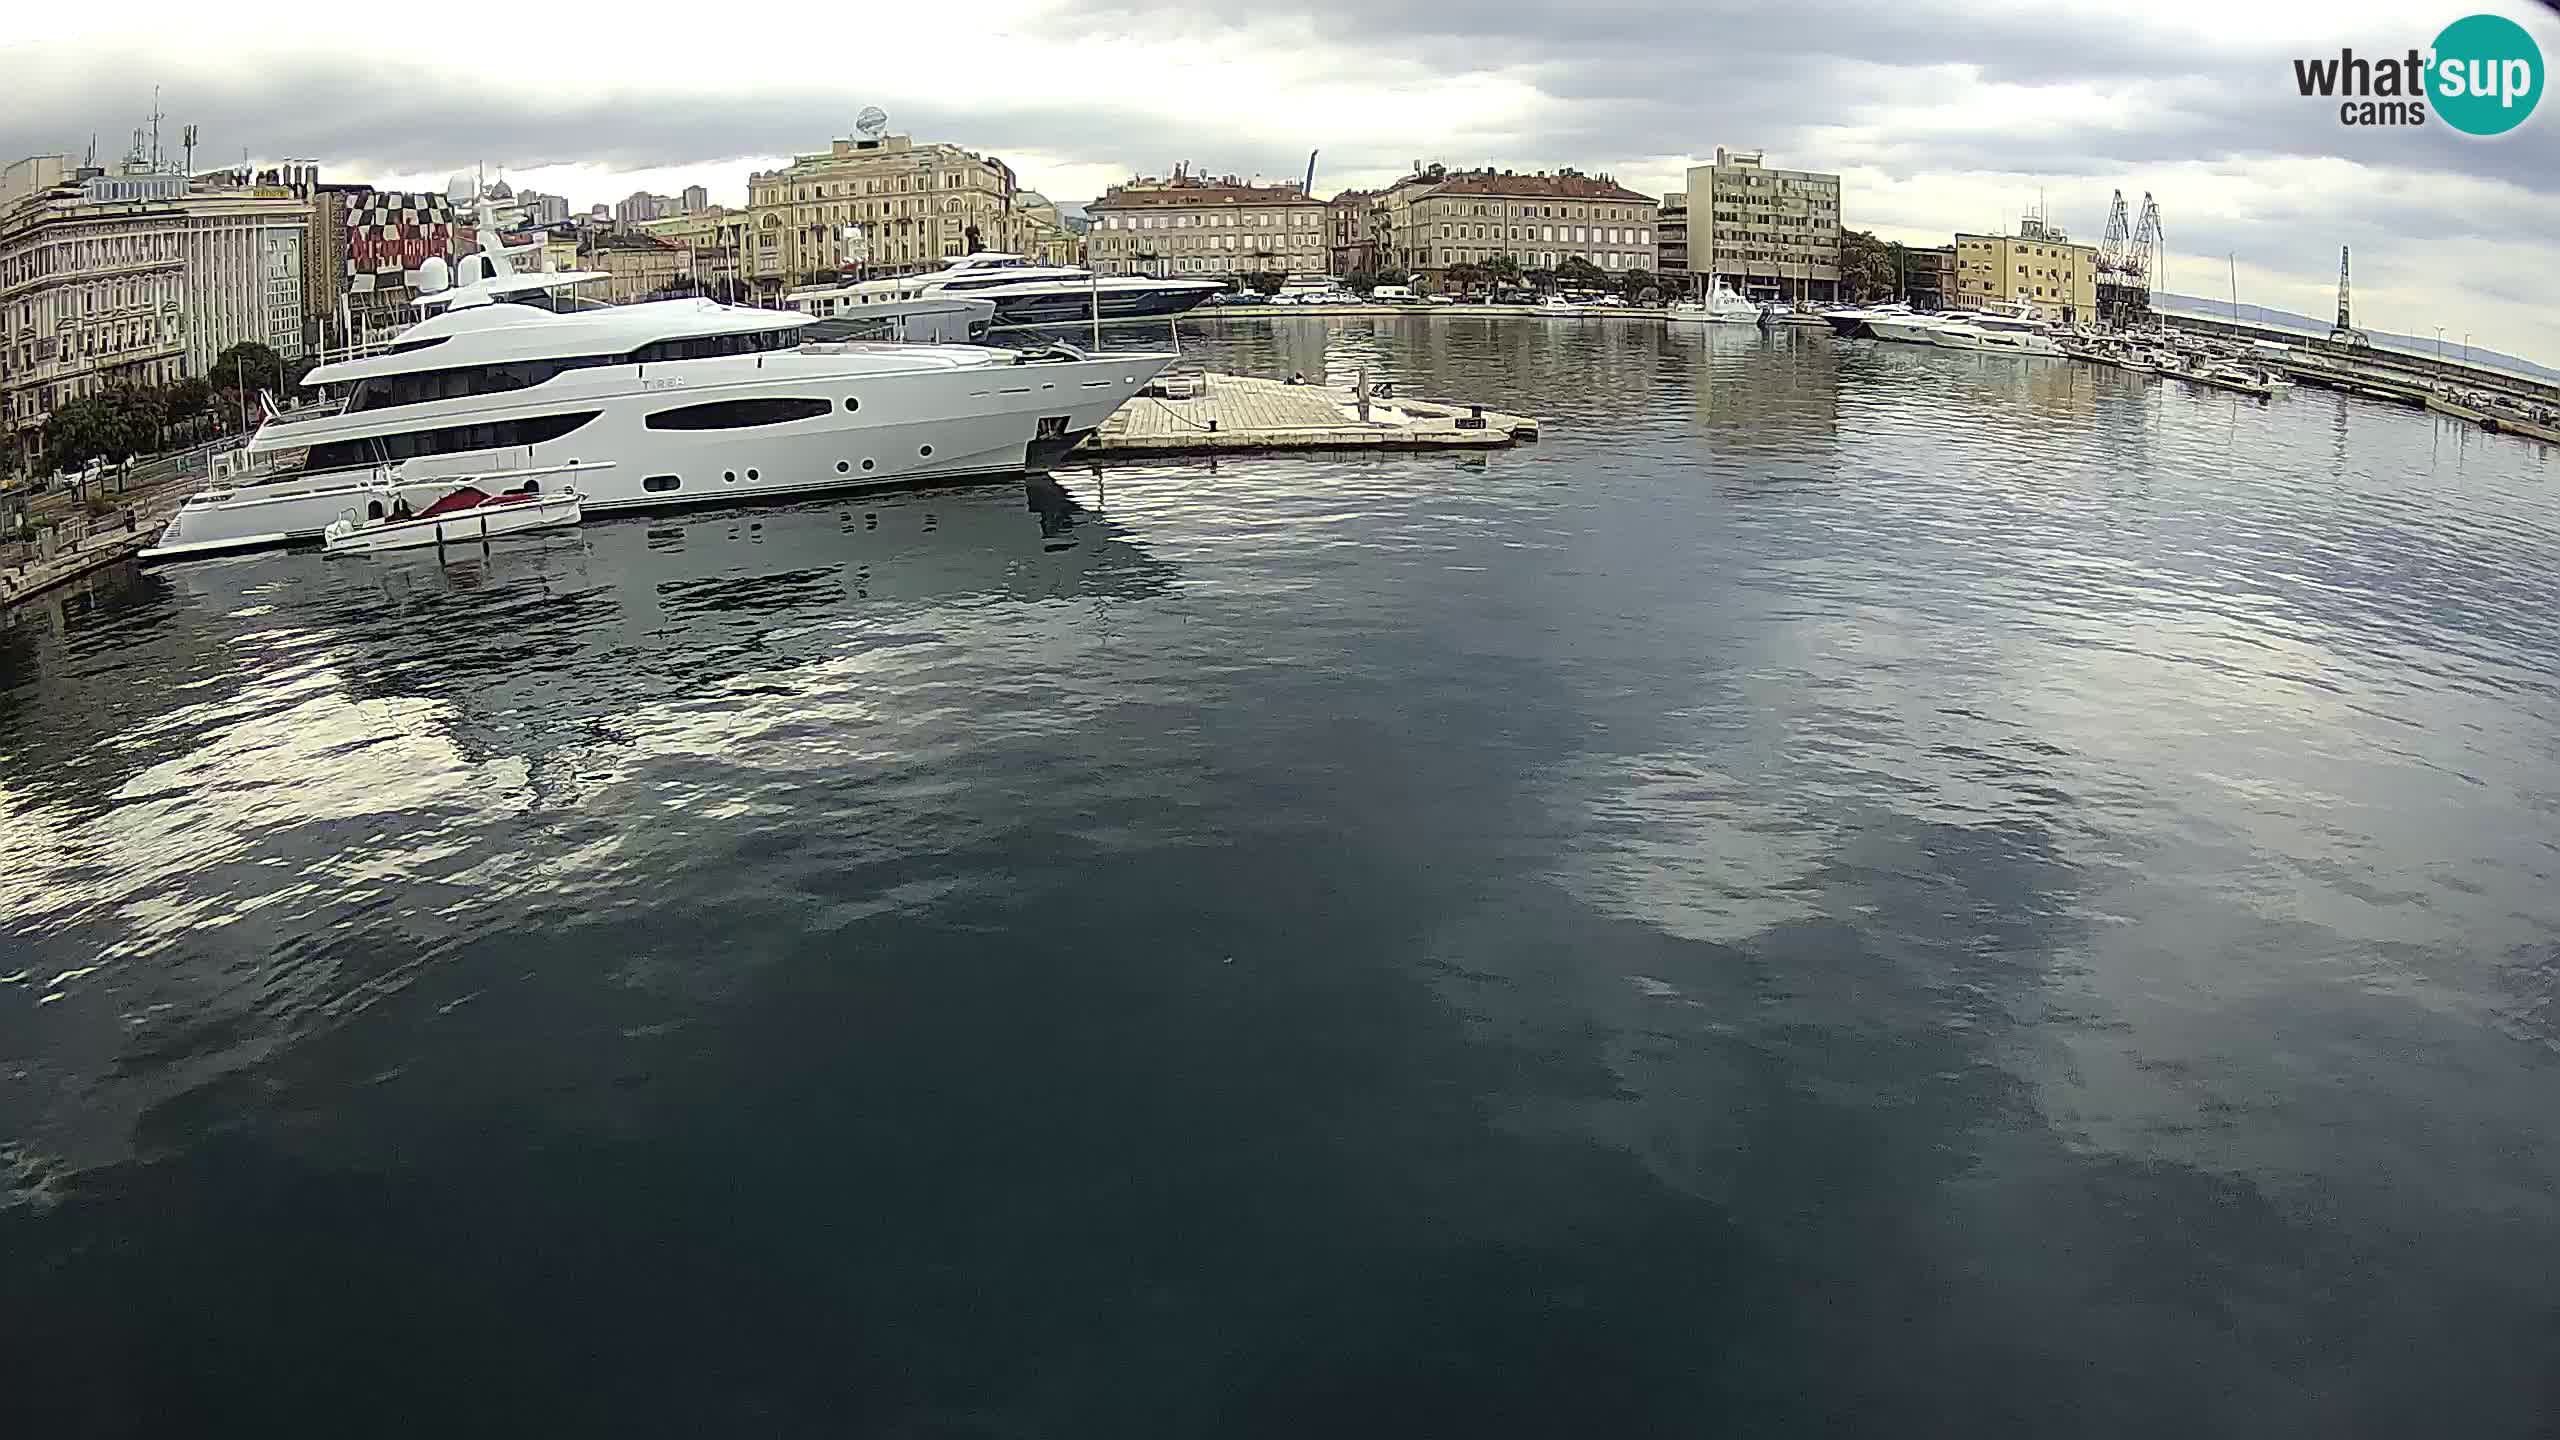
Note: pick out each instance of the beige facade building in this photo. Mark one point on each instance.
(641, 265)
(1434, 219)
(1768, 233)
(719, 239)
(885, 206)
(1041, 233)
(135, 278)
(1347, 217)
(2038, 265)
(1197, 227)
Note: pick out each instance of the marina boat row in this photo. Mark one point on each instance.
(2016, 331)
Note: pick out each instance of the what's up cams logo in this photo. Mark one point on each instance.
(2482, 76)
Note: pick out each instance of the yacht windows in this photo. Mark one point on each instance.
(419, 386)
(705, 347)
(738, 414)
(444, 440)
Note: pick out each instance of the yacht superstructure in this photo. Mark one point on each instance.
(1024, 291)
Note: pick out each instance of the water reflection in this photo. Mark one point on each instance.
(1834, 834)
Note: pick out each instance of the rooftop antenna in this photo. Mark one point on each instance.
(156, 118)
(187, 137)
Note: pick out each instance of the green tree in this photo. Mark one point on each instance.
(1637, 285)
(1867, 268)
(1577, 273)
(1465, 277)
(1503, 270)
(109, 425)
(1265, 282)
(1542, 279)
(247, 366)
(185, 400)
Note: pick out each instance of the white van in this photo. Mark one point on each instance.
(1392, 295)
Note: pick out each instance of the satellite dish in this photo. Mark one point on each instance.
(461, 189)
(873, 122)
(434, 276)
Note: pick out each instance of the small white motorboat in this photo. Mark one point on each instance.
(468, 516)
(1721, 307)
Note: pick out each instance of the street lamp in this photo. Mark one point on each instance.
(2439, 344)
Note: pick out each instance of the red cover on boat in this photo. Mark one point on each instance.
(469, 497)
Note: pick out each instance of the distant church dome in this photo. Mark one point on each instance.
(502, 190)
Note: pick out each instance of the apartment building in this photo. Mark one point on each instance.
(1928, 278)
(135, 278)
(1197, 226)
(886, 206)
(640, 265)
(1671, 242)
(1347, 217)
(718, 237)
(1771, 234)
(2038, 265)
(1437, 218)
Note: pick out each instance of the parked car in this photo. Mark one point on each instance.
(1440, 299)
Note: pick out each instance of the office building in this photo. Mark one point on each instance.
(2039, 266)
(1771, 234)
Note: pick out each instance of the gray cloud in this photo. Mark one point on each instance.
(1629, 89)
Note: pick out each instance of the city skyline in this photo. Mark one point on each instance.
(1939, 117)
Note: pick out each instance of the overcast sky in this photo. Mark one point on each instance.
(1938, 114)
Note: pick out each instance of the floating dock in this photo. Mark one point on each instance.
(1209, 414)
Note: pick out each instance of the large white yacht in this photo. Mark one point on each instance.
(1850, 322)
(1024, 291)
(663, 403)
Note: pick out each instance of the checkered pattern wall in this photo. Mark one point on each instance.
(389, 234)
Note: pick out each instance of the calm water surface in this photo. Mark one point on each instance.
(1848, 889)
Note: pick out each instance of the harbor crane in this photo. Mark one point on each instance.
(2129, 256)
